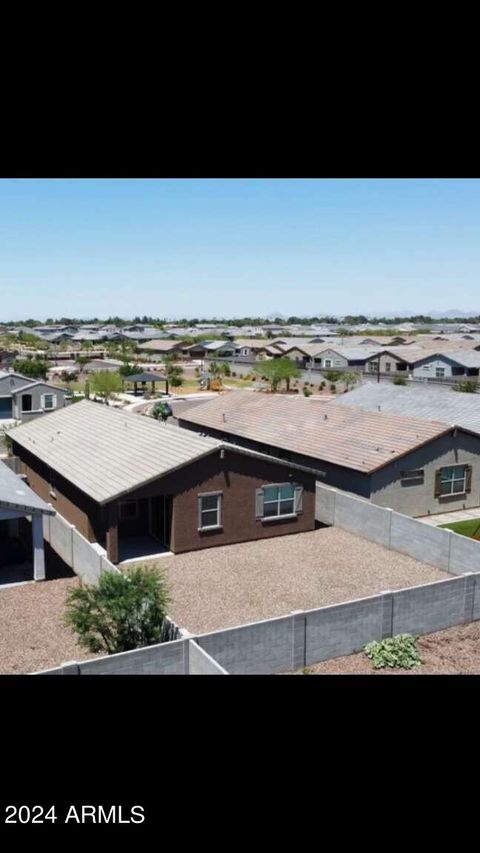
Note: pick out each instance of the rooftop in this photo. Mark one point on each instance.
(106, 452)
(16, 495)
(414, 400)
(343, 435)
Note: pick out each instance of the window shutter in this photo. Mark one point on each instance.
(259, 503)
(298, 500)
(199, 512)
(438, 483)
(220, 513)
(468, 478)
(42, 401)
(54, 401)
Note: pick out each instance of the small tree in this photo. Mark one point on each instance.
(276, 370)
(162, 411)
(469, 386)
(106, 384)
(123, 611)
(34, 368)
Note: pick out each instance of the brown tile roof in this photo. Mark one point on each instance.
(342, 435)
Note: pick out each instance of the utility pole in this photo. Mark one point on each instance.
(378, 369)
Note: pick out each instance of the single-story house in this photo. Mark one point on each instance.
(21, 527)
(118, 475)
(462, 363)
(340, 358)
(412, 465)
(23, 398)
(162, 347)
(386, 361)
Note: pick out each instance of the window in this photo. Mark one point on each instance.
(279, 501)
(453, 480)
(49, 401)
(415, 475)
(373, 366)
(388, 366)
(328, 362)
(439, 372)
(129, 510)
(26, 402)
(210, 511)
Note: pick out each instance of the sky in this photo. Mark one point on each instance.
(238, 247)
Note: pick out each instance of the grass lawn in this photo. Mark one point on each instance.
(465, 528)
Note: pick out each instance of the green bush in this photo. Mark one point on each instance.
(122, 612)
(399, 651)
(332, 375)
(399, 380)
(333, 387)
(469, 386)
(307, 392)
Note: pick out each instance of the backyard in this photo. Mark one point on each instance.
(470, 528)
(455, 651)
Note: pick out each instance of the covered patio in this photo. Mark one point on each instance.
(21, 530)
(142, 379)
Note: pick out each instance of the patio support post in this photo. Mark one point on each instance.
(112, 535)
(38, 550)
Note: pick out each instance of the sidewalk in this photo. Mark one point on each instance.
(451, 517)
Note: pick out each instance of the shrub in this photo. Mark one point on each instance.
(399, 380)
(332, 375)
(307, 392)
(333, 387)
(469, 386)
(233, 373)
(322, 385)
(162, 411)
(122, 612)
(399, 651)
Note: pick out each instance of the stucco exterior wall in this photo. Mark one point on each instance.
(419, 499)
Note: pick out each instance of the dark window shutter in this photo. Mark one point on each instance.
(199, 512)
(220, 513)
(468, 478)
(259, 503)
(438, 483)
(298, 499)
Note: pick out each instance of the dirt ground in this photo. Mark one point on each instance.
(455, 651)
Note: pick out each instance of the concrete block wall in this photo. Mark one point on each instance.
(76, 551)
(436, 546)
(200, 663)
(301, 638)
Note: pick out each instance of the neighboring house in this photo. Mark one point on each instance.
(21, 527)
(117, 475)
(386, 362)
(23, 399)
(462, 363)
(412, 465)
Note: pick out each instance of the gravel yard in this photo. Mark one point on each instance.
(455, 651)
(31, 634)
(220, 587)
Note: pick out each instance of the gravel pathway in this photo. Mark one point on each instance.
(229, 585)
(31, 634)
(455, 651)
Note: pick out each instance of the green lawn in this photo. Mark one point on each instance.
(465, 528)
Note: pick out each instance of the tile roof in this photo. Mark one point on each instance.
(15, 494)
(345, 436)
(106, 452)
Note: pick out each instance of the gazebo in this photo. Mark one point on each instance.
(142, 379)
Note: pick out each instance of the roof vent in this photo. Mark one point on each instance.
(224, 417)
(379, 408)
(325, 417)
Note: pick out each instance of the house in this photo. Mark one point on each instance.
(120, 477)
(448, 364)
(21, 529)
(386, 361)
(412, 465)
(22, 398)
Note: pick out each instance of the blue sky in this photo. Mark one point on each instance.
(174, 248)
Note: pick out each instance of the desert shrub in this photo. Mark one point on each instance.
(399, 380)
(469, 386)
(307, 391)
(322, 385)
(399, 651)
(233, 373)
(123, 611)
(332, 375)
(333, 387)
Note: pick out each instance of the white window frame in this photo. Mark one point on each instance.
(218, 509)
(451, 480)
(54, 402)
(295, 489)
(328, 362)
(439, 372)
